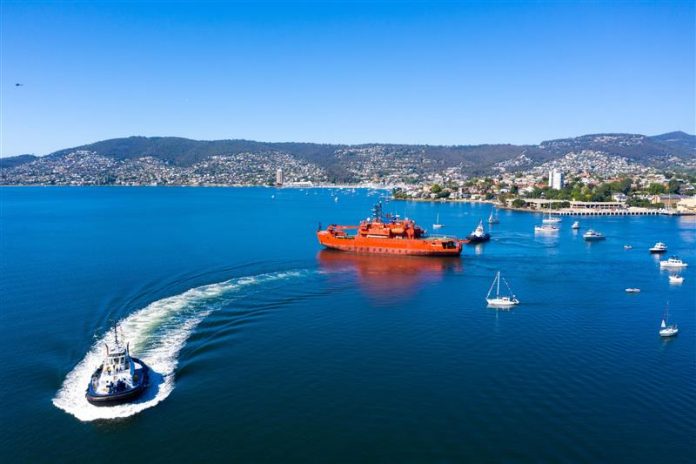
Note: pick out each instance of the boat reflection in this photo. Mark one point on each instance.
(386, 277)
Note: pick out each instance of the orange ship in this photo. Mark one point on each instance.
(388, 235)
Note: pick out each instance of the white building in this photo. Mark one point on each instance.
(279, 177)
(556, 179)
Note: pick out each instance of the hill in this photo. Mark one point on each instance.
(169, 160)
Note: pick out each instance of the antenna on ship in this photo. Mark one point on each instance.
(377, 211)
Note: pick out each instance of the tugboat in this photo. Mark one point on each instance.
(387, 234)
(119, 379)
(479, 235)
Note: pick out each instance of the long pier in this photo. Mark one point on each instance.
(605, 212)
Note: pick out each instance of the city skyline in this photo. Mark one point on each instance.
(445, 73)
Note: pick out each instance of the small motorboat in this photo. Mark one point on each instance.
(676, 279)
(500, 301)
(120, 378)
(667, 329)
(545, 229)
(576, 225)
(659, 247)
(593, 236)
(628, 247)
(633, 290)
(479, 235)
(673, 262)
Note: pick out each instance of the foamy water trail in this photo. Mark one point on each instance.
(156, 333)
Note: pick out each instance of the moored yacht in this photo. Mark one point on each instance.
(576, 225)
(500, 301)
(593, 236)
(437, 224)
(551, 220)
(659, 247)
(119, 379)
(674, 262)
(546, 229)
(676, 279)
(667, 329)
(493, 218)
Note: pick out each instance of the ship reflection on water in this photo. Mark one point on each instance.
(388, 278)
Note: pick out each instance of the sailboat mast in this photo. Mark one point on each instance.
(498, 291)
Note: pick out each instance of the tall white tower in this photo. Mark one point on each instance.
(279, 177)
(555, 179)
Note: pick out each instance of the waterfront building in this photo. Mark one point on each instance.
(279, 177)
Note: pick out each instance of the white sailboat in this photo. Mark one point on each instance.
(667, 329)
(500, 301)
(493, 218)
(437, 224)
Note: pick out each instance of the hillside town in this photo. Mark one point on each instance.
(578, 183)
(578, 180)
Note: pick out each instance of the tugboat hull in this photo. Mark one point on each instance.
(124, 396)
(474, 239)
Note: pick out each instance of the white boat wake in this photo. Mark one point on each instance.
(156, 333)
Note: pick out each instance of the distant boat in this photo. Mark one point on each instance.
(674, 262)
(676, 279)
(659, 247)
(593, 236)
(335, 199)
(628, 247)
(633, 290)
(437, 224)
(500, 301)
(551, 220)
(576, 225)
(479, 234)
(545, 229)
(493, 218)
(667, 329)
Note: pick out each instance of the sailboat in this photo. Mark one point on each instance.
(551, 219)
(666, 329)
(437, 224)
(500, 301)
(493, 218)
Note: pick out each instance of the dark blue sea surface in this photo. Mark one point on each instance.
(267, 349)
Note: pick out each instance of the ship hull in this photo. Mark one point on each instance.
(473, 239)
(394, 246)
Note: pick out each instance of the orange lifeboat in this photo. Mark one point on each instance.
(385, 234)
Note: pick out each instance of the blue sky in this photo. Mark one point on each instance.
(344, 72)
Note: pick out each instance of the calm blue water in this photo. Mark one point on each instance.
(268, 350)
